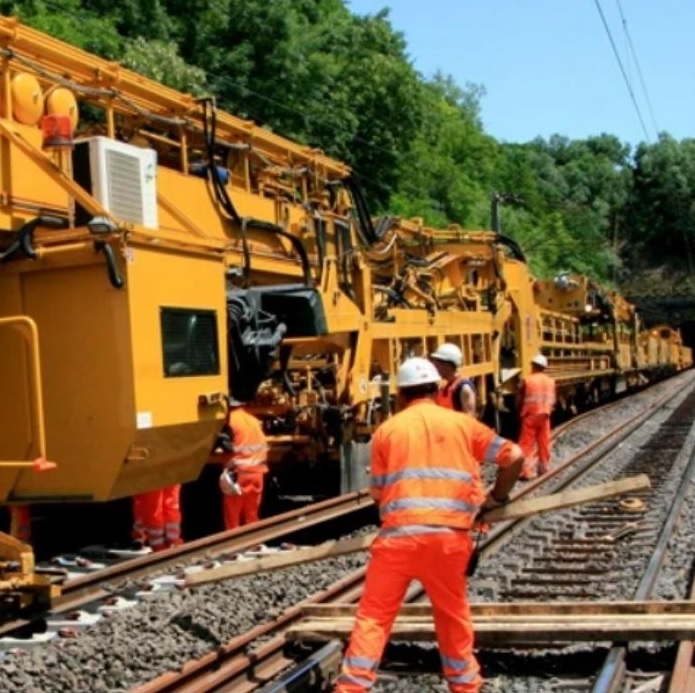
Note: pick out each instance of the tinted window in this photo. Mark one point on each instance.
(189, 342)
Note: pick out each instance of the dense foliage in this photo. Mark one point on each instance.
(313, 71)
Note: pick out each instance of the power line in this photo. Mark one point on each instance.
(622, 69)
(637, 65)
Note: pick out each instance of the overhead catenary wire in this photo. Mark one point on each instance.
(622, 69)
(637, 66)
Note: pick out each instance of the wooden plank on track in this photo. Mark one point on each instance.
(519, 622)
(331, 549)
(503, 632)
(567, 499)
(283, 559)
(521, 609)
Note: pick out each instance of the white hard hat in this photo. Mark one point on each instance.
(449, 352)
(540, 360)
(416, 371)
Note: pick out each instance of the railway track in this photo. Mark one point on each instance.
(91, 588)
(616, 535)
(252, 659)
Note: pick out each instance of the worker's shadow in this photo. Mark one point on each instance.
(186, 623)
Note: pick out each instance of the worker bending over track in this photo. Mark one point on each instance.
(535, 402)
(457, 392)
(157, 518)
(426, 481)
(245, 467)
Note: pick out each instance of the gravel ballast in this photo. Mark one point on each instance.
(160, 634)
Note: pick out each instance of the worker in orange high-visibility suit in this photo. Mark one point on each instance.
(425, 478)
(535, 402)
(457, 392)
(157, 518)
(241, 482)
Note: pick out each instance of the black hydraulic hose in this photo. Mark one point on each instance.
(344, 243)
(320, 243)
(114, 277)
(365, 228)
(221, 194)
(10, 250)
(249, 222)
(225, 201)
(397, 298)
(517, 252)
(25, 236)
(24, 240)
(220, 187)
(384, 225)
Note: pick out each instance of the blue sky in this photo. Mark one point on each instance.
(548, 67)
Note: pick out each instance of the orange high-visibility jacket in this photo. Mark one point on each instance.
(445, 395)
(539, 394)
(426, 467)
(250, 448)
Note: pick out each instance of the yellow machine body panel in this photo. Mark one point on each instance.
(114, 422)
(25, 187)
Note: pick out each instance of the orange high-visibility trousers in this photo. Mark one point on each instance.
(244, 509)
(157, 517)
(535, 430)
(171, 511)
(20, 523)
(138, 533)
(438, 560)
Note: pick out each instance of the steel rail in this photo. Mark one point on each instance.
(579, 464)
(612, 674)
(313, 671)
(235, 667)
(91, 587)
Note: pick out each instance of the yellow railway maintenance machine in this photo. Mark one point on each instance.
(157, 254)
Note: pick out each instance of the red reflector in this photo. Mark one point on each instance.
(56, 131)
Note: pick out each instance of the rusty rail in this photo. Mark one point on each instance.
(91, 587)
(234, 667)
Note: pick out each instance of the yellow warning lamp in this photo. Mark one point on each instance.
(27, 99)
(62, 102)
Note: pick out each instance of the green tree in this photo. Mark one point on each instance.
(663, 197)
(447, 174)
(71, 23)
(160, 61)
(315, 72)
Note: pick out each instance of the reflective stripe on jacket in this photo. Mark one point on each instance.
(539, 394)
(250, 446)
(426, 466)
(446, 394)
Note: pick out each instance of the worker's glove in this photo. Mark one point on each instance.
(492, 502)
(229, 484)
(224, 441)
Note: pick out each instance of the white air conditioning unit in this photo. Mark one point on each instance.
(121, 177)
